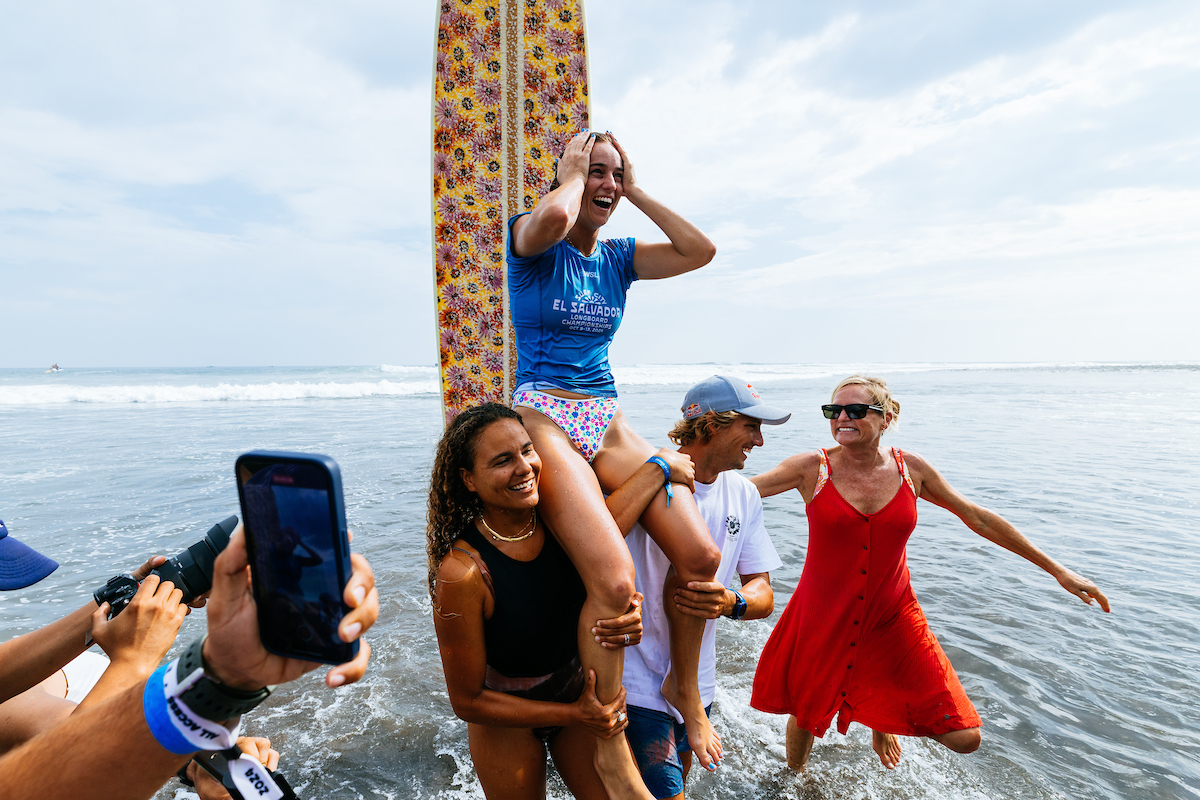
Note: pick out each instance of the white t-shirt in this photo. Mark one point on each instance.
(733, 511)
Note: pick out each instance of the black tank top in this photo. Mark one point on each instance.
(535, 615)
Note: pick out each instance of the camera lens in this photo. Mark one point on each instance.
(191, 571)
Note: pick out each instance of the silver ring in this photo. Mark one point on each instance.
(620, 716)
(627, 638)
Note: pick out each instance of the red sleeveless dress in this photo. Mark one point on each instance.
(853, 641)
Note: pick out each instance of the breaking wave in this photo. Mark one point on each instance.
(221, 392)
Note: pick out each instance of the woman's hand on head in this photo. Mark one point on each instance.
(628, 180)
(1082, 588)
(625, 630)
(576, 158)
(600, 719)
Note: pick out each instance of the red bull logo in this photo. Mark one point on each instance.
(693, 411)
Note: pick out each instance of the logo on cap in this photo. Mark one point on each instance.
(753, 393)
(693, 411)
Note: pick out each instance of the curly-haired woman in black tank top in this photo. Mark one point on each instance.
(506, 605)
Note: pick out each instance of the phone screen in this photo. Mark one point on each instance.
(295, 547)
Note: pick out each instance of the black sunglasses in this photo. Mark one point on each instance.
(853, 410)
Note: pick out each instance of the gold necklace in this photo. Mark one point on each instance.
(577, 247)
(525, 534)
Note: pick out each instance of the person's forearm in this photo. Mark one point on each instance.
(117, 677)
(101, 753)
(997, 529)
(628, 502)
(555, 213)
(506, 711)
(28, 714)
(759, 596)
(688, 240)
(30, 658)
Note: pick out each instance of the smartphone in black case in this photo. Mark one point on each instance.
(295, 522)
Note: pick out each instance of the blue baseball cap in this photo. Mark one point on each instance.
(20, 564)
(721, 393)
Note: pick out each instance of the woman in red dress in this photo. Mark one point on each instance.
(853, 641)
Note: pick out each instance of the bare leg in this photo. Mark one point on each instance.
(965, 741)
(510, 762)
(679, 530)
(574, 752)
(572, 505)
(887, 747)
(799, 746)
(28, 714)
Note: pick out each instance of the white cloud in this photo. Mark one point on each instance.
(163, 161)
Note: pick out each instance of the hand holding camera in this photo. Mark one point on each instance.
(190, 571)
(139, 638)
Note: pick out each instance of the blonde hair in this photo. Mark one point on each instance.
(880, 395)
(702, 427)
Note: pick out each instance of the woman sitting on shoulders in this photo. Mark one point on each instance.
(507, 602)
(567, 288)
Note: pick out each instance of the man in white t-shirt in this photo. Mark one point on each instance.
(722, 422)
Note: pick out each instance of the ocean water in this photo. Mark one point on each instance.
(1097, 463)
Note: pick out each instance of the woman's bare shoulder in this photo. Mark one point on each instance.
(459, 579)
(916, 464)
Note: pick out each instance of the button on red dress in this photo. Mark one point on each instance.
(853, 641)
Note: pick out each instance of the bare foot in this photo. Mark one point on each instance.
(701, 736)
(887, 747)
(618, 771)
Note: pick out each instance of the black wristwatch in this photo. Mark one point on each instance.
(209, 698)
(739, 606)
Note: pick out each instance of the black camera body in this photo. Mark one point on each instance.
(191, 570)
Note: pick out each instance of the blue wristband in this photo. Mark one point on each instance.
(154, 706)
(666, 468)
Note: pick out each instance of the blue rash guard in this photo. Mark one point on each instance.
(566, 307)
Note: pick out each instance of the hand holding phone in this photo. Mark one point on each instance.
(299, 552)
(234, 653)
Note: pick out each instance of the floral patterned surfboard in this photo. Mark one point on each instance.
(510, 88)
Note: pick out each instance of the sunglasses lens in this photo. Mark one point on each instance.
(853, 410)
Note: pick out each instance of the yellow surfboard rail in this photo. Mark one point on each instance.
(510, 88)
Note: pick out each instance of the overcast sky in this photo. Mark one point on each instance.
(243, 182)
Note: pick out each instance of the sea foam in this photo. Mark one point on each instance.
(227, 392)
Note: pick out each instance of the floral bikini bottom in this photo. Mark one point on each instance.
(584, 421)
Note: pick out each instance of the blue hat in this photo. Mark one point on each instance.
(20, 564)
(720, 393)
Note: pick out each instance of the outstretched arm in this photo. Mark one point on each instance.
(556, 212)
(688, 248)
(798, 472)
(30, 658)
(113, 754)
(993, 527)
